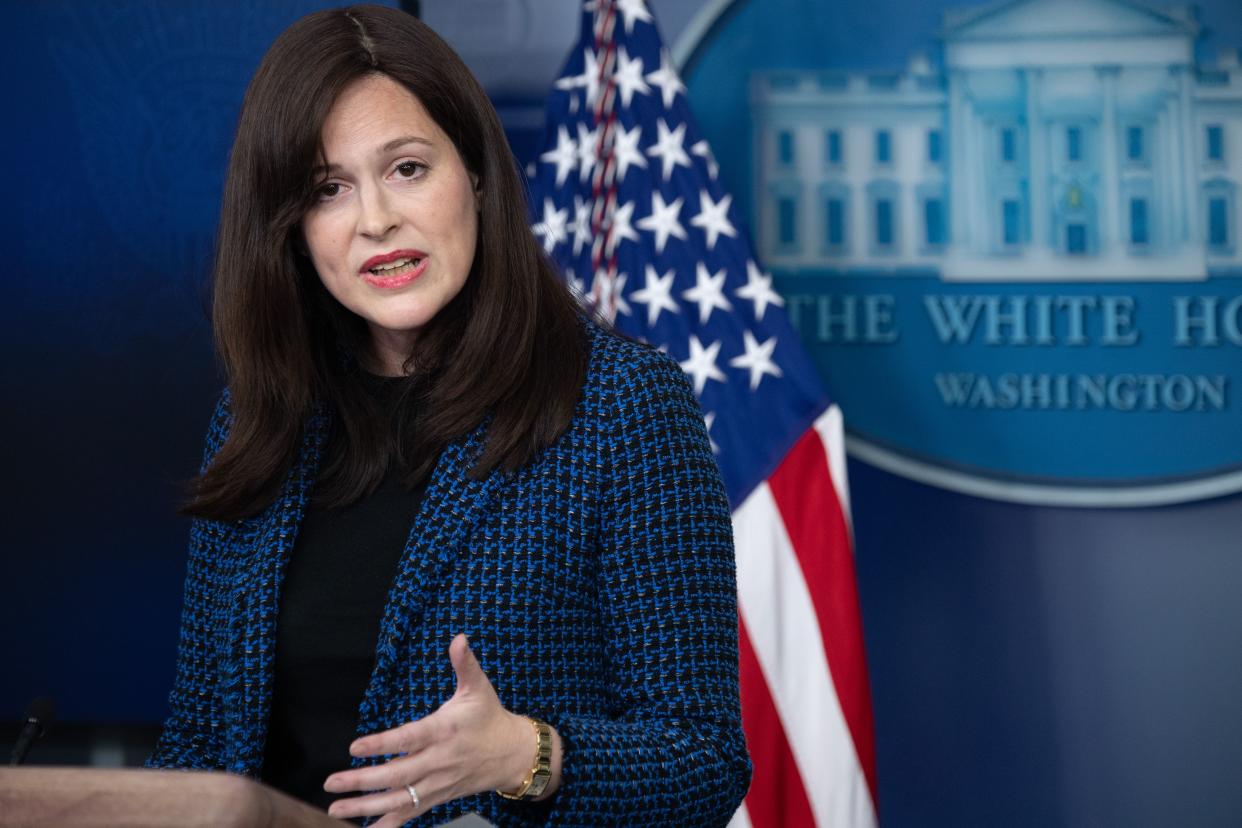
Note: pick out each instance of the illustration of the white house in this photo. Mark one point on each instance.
(1060, 139)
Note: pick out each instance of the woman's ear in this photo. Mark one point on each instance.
(478, 193)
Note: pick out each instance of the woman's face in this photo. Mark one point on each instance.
(392, 232)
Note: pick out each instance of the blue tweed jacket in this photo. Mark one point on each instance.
(596, 585)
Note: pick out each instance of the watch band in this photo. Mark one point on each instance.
(536, 781)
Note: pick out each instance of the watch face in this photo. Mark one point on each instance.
(539, 784)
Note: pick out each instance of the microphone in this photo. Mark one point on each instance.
(38, 716)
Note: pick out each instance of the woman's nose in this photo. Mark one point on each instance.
(377, 217)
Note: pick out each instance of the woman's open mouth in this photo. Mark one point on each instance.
(394, 270)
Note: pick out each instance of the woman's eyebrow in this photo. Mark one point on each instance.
(403, 140)
(331, 169)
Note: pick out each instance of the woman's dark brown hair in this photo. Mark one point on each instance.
(509, 345)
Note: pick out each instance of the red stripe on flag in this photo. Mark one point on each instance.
(811, 511)
(776, 798)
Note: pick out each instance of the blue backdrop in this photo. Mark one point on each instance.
(1030, 665)
(122, 119)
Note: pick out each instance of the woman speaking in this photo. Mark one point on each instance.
(455, 546)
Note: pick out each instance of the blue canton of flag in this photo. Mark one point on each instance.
(628, 203)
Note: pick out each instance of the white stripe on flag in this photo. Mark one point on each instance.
(777, 609)
(741, 819)
(831, 429)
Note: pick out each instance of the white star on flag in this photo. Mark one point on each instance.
(666, 78)
(657, 295)
(668, 147)
(627, 151)
(757, 359)
(713, 218)
(701, 366)
(581, 228)
(628, 77)
(609, 294)
(708, 292)
(552, 228)
(590, 77)
(571, 82)
(758, 289)
(564, 155)
(633, 10)
(621, 227)
(663, 220)
(703, 150)
(586, 151)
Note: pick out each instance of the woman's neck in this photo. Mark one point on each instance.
(389, 352)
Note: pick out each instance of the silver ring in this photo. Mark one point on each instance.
(413, 795)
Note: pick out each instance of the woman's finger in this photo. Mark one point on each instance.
(408, 738)
(391, 774)
(466, 667)
(381, 802)
(431, 789)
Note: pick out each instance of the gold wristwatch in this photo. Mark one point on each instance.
(536, 781)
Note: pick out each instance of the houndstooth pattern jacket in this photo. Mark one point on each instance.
(596, 585)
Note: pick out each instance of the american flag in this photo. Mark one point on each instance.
(627, 200)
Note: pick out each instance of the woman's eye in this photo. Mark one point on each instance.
(327, 191)
(410, 169)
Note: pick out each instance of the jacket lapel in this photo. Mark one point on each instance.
(257, 596)
(452, 507)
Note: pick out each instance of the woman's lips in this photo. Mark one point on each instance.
(378, 262)
(399, 277)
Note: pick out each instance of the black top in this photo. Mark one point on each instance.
(331, 603)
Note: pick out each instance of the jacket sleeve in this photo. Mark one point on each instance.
(191, 733)
(673, 753)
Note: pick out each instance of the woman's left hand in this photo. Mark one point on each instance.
(469, 745)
